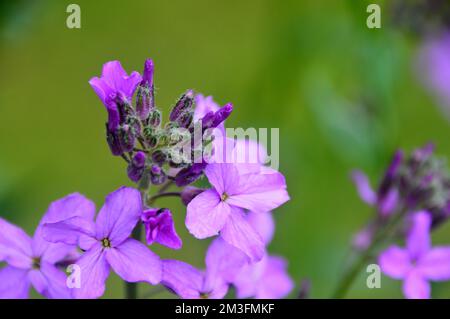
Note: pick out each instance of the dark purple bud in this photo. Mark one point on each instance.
(143, 102)
(189, 192)
(391, 173)
(190, 174)
(154, 118)
(157, 175)
(136, 167)
(127, 138)
(185, 119)
(222, 114)
(113, 142)
(159, 157)
(184, 103)
(147, 76)
(208, 120)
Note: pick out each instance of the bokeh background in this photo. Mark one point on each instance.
(344, 96)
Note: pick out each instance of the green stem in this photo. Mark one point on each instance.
(350, 275)
(151, 200)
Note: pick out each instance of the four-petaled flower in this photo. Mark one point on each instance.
(418, 262)
(107, 243)
(34, 260)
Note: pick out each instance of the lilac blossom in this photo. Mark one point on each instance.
(160, 228)
(267, 278)
(221, 208)
(115, 84)
(434, 66)
(34, 261)
(107, 244)
(418, 263)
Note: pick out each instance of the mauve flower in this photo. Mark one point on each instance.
(189, 282)
(221, 209)
(267, 278)
(434, 67)
(32, 261)
(115, 84)
(107, 243)
(418, 262)
(160, 228)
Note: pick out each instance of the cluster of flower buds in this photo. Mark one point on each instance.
(417, 182)
(154, 152)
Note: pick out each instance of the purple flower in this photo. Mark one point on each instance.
(160, 228)
(204, 105)
(107, 244)
(267, 278)
(189, 193)
(32, 261)
(115, 84)
(221, 209)
(434, 63)
(189, 282)
(418, 262)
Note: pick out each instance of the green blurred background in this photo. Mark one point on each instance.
(343, 96)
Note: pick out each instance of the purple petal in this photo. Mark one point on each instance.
(238, 233)
(15, 245)
(14, 283)
(395, 262)
(224, 260)
(416, 287)
(418, 240)
(204, 105)
(185, 280)
(275, 282)
(388, 203)
(160, 228)
(134, 262)
(435, 264)
(56, 287)
(264, 225)
(260, 192)
(224, 177)
(70, 206)
(364, 189)
(119, 215)
(206, 214)
(249, 152)
(94, 270)
(68, 231)
(248, 278)
(116, 77)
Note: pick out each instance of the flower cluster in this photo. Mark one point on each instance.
(235, 209)
(412, 199)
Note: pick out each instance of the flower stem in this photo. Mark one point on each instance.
(159, 195)
(382, 236)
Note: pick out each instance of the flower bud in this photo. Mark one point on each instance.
(222, 114)
(154, 118)
(143, 102)
(189, 174)
(189, 193)
(113, 141)
(136, 166)
(157, 175)
(127, 138)
(159, 157)
(183, 104)
(185, 119)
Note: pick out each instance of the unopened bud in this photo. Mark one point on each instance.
(189, 193)
(183, 104)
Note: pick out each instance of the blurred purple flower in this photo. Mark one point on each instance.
(434, 64)
(418, 262)
(32, 261)
(221, 209)
(107, 244)
(160, 228)
(112, 85)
